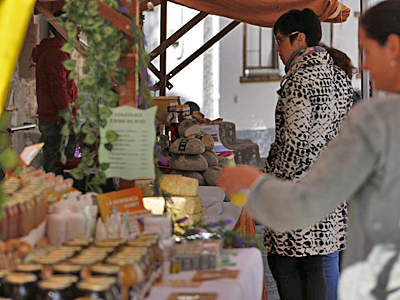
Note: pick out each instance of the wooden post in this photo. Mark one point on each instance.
(163, 55)
(129, 60)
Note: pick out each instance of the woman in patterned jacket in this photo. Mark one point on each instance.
(315, 96)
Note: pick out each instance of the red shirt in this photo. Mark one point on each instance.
(54, 91)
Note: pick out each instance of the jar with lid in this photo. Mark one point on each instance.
(172, 105)
(174, 133)
(67, 269)
(35, 269)
(50, 290)
(95, 291)
(3, 274)
(112, 282)
(71, 280)
(20, 286)
(75, 223)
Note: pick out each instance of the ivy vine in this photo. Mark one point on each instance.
(96, 89)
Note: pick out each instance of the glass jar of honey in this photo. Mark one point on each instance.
(20, 286)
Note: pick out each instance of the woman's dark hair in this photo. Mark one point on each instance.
(342, 61)
(305, 21)
(382, 20)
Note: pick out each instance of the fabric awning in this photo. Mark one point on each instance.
(264, 12)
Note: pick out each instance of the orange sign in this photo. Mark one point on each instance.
(125, 200)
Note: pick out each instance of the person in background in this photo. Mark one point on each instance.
(193, 106)
(344, 62)
(361, 164)
(54, 93)
(315, 96)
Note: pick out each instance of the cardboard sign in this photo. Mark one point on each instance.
(129, 200)
(203, 275)
(132, 154)
(193, 296)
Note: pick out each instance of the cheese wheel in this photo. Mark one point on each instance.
(178, 185)
(188, 163)
(179, 208)
(211, 158)
(211, 175)
(196, 175)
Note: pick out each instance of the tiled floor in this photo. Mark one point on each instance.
(269, 280)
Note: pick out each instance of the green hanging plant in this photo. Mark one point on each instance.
(101, 70)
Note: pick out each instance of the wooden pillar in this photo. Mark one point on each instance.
(129, 60)
(163, 55)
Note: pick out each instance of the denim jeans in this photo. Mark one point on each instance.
(51, 137)
(298, 278)
(331, 268)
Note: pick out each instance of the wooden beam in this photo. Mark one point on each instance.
(203, 49)
(163, 56)
(177, 35)
(119, 20)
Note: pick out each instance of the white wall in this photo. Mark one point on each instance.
(252, 105)
(188, 83)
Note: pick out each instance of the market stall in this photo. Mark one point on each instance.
(158, 227)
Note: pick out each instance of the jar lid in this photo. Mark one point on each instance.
(105, 269)
(47, 260)
(83, 261)
(20, 278)
(3, 273)
(119, 241)
(102, 280)
(66, 268)
(74, 243)
(107, 244)
(29, 268)
(52, 285)
(92, 287)
(64, 278)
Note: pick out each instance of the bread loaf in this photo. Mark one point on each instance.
(179, 185)
(187, 146)
(188, 127)
(207, 140)
(188, 163)
(211, 158)
(211, 175)
(196, 175)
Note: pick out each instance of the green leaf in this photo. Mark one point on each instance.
(69, 64)
(63, 158)
(85, 128)
(70, 26)
(108, 146)
(102, 123)
(111, 136)
(72, 34)
(107, 31)
(3, 120)
(97, 189)
(104, 166)
(105, 112)
(76, 126)
(72, 75)
(85, 69)
(65, 114)
(90, 138)
(89, 109)
(102, 177)
(97, 37)
(65, 130)
(114, 55)
(89, 80)
(68, 48)
(77, 173)
(80, 100)
(8, 159)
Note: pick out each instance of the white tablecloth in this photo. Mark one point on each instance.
(247, 285)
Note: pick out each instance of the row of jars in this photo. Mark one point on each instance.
(24, 209)
(83, 269)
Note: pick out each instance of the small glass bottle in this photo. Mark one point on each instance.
(174, 134)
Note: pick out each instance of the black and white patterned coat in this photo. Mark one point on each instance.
(315, 96)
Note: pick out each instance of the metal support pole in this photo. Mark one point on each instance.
(163, 55)
(364, 74)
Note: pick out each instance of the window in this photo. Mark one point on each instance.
(260, 60)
